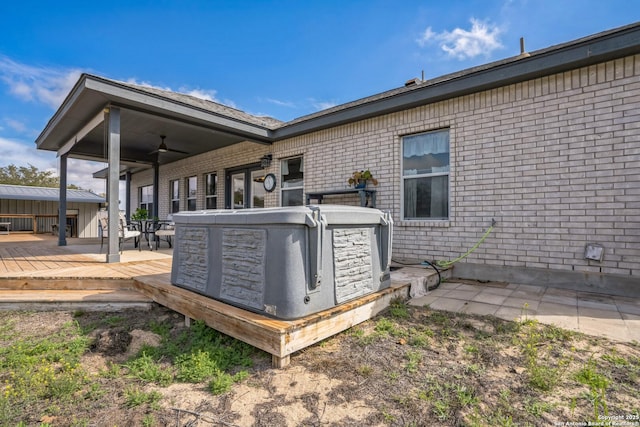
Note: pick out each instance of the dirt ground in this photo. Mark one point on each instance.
(408, 367)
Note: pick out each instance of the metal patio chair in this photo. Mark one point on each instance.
(124, 233)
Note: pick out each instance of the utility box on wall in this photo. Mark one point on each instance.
(283, 262)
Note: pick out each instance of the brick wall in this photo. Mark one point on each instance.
(555, 161)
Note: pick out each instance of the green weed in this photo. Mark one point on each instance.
(537, 408)
(398, 310)
(414, 358)
(386, 326)
(146, 368)
(222, 382)
(195, 367)
(135, 397)
(113, 320)
(365, 370)
(597, 384)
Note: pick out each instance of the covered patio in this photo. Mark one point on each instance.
(134, 128)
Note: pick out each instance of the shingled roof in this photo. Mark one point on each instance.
(205, 104)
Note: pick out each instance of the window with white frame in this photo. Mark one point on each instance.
(292, 182)
(192, 193)
(211, 186)
(174, 189)
(425, 176)
(146, 198)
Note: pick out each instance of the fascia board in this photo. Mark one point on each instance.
(124, 96)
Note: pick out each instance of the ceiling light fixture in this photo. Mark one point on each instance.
(162, 148)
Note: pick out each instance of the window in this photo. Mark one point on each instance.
(192, 193)
(292, 182)
(146, 199)
(211, 184)
(174, 188)
(425, 175)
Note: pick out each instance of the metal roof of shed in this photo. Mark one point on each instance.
(23, 192)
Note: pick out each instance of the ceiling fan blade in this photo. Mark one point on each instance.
(163, 148)
(171, 150)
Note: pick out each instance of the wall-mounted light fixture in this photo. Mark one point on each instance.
(594, 252)
(265, 161)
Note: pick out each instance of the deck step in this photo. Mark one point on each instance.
(89, 299)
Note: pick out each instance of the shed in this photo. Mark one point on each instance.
(28, 209)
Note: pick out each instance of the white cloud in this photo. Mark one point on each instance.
(21, 153)
(16, 125)
(206, 94)
(79, 172)
(481, 39)
(279, 103)
(133, 81)
(47, 86)
(322, 105)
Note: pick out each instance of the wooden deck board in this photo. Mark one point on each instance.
(84, 295)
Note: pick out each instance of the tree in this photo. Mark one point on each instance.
(30, 176)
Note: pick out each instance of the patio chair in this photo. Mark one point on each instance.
(165, 231)
(124, 232)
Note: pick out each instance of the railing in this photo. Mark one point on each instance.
(30, 223)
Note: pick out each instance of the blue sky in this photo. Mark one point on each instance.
(283, 59)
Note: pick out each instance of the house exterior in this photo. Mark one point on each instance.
(545, 144)
(35, 210)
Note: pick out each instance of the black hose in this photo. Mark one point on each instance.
(422, 263)
(437, 271)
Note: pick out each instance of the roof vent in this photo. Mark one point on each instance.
(412, 82)
(523, 53)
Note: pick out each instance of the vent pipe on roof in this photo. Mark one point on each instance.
(412, 82)
(523, 53)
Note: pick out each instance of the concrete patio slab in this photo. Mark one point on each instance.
(498, 291)
(537, 290)
(561, 315)
(480, 308)
(489, 298)
(613, 317)
(448, 304)
(513, 314)
(526, 304)
(569, 300)
(461, 294)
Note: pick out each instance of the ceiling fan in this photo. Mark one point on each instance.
(162, 148)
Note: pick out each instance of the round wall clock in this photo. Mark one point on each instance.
(269, 182)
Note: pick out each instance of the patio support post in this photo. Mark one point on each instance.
(62, 205)
(112, 137)
(156, 180)
(127, 191)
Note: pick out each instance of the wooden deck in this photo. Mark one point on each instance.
(37, 274)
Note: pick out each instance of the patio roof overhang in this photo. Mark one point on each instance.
(78, 127)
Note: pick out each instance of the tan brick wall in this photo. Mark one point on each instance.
(555, 161)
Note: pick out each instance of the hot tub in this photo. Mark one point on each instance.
(284, 262)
